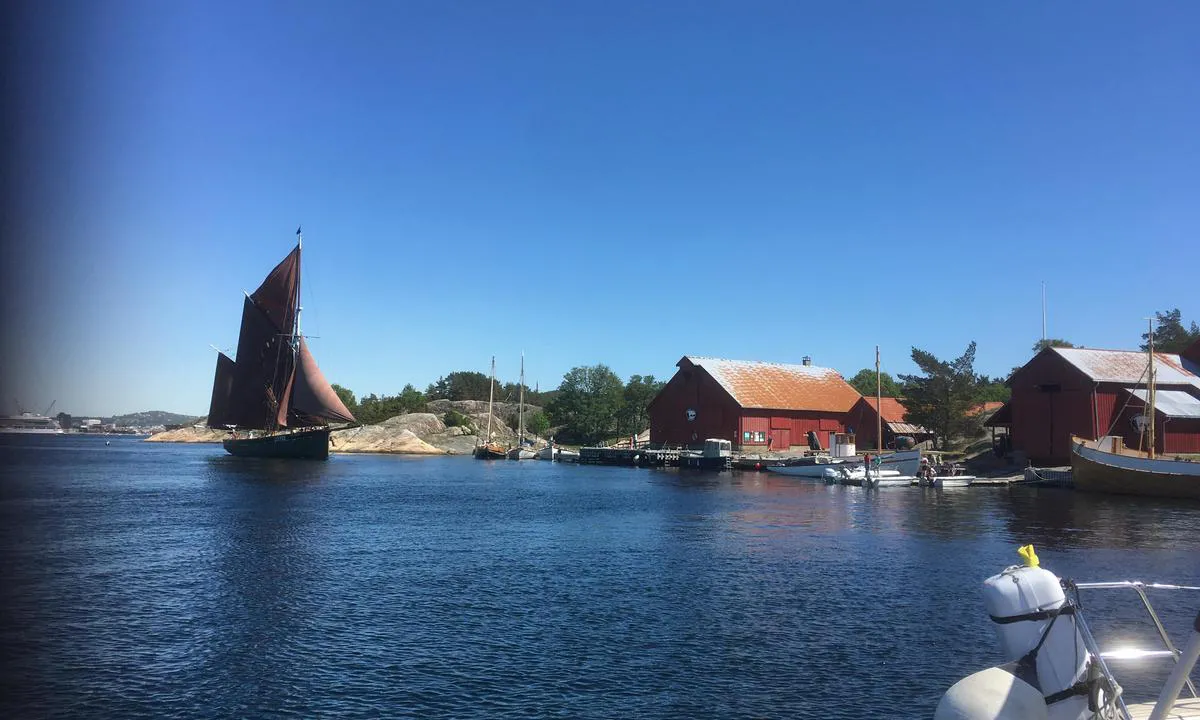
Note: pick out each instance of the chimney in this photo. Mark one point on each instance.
(806, 360)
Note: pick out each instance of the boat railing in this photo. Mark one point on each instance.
(1180, 675)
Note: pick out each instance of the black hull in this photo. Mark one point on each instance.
(303, 445)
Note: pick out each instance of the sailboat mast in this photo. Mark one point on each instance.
(1150, 392)
(491, 390)
(296, 329)
(521, 404)
(878, 404)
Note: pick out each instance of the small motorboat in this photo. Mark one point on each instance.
(1057, 670)
(953, 481)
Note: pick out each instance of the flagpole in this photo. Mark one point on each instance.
(878, 404)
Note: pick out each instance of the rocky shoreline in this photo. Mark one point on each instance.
(410, 434)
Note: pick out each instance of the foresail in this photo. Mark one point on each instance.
(277, 296)
(218, 408)
(312, 397)
(263, 371)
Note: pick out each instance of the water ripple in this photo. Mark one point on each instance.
(152, 581)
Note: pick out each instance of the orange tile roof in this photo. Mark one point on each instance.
(988, 407)
(893, 409)
(776, 386)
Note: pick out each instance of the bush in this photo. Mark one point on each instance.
(453, 418)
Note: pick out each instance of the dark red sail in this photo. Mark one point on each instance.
(278, 295)
(263, 371)
(218, 408)
(313, 400)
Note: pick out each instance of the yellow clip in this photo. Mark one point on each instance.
(1031, 558)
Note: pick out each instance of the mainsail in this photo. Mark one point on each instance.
(274, 382)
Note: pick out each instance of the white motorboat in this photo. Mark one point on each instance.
(557, 454)
(1058, 671)
(857, 477)
(906, 462)
(813, 466)
(953, 481)
(897, 481)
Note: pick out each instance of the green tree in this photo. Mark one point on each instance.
(992, 389)
(412, 399)
(634, 415)
(864, 382)
(537, 423)
(1041, 345)
(460, 385)
(346, 396)
(588, 402)
(1170, 336)
(941, 397)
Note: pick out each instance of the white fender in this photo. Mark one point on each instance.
(1062, 659)
(991, 694)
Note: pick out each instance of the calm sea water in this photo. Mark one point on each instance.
(148, 580)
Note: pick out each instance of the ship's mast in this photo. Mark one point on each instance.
(1150, 392)
(296, 330)
(521, 404)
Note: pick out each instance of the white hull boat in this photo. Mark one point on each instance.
(1057, 669)
(953, 481)
(813, 466)
(906, 462)
(900, 481)
(857, 477)
(557, 454)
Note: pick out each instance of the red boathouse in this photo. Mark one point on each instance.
(755, 405)
(1091, 393)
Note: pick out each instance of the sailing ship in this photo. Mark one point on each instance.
(521, 451)
(489, 450)
(273, 398)
(1106, 465)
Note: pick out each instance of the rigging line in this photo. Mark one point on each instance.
(1122, 410)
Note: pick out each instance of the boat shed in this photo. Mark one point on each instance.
(1092, 393)
(863, 421)
(756, 405)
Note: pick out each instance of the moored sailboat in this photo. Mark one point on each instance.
(488, 449)
(273, 397)
(521, 451)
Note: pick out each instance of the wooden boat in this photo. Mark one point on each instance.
(1107, 466)
(273, 398)
(489, 449)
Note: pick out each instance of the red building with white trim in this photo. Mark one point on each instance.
(755, 405)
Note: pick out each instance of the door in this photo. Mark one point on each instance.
(781, 438)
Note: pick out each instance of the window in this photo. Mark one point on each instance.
(747, 436)
(760, 436)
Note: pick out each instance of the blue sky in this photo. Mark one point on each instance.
(600, 182)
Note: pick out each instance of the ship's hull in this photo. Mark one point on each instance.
(30, 431)
(303, 445)
(1095, 470)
